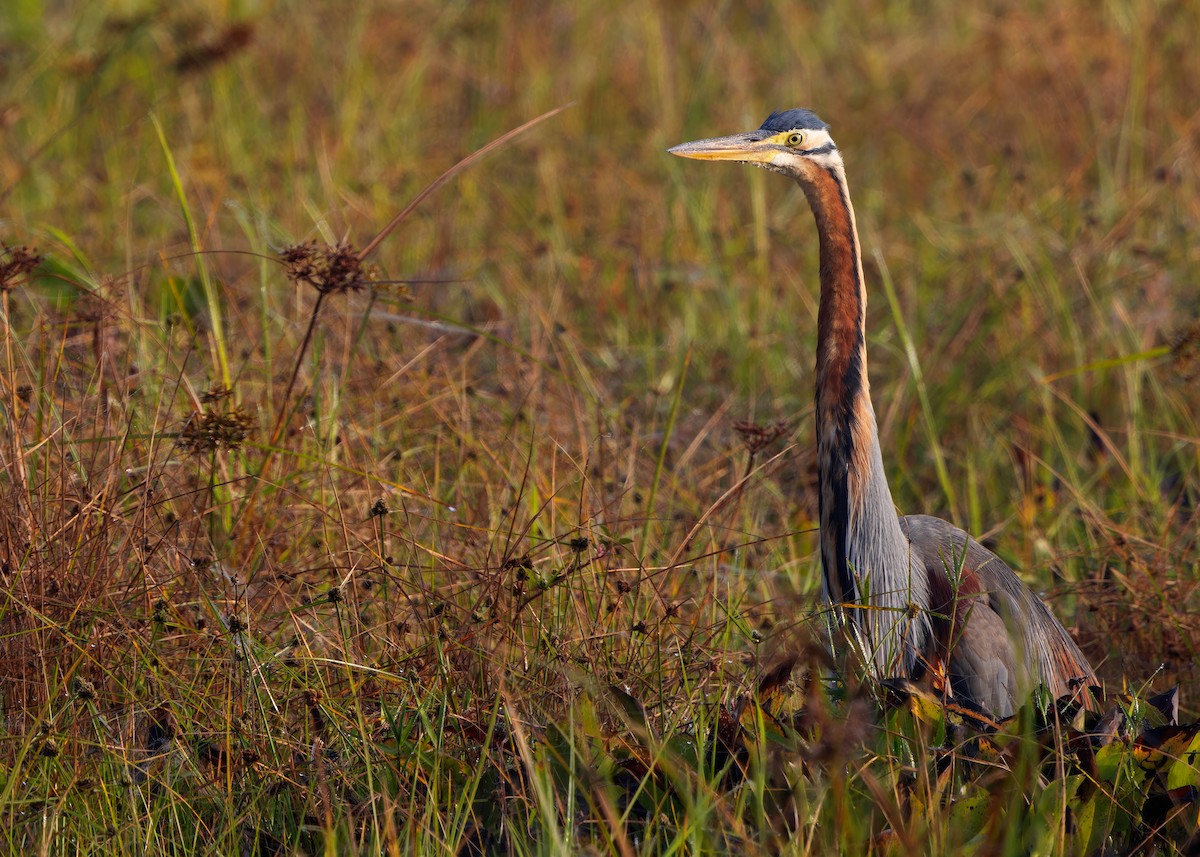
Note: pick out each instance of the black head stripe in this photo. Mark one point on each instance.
(796, 119)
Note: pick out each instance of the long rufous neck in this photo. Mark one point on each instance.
(866, 560)
(847, 437)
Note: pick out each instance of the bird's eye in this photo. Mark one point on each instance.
(795, 139)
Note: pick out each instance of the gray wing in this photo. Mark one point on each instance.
(998, 639)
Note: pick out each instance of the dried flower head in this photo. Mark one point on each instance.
(757, 437)
(211, 430)
(330, 269)
(378, 509)
(312, 700)
(16, 264)
(212, 48)
(1185, 350)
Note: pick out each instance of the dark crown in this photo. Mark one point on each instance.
(796, 119)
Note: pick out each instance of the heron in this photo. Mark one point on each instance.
(917, 595)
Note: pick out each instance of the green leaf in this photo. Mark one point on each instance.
(1185, 770)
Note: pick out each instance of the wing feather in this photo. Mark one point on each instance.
(998, 638)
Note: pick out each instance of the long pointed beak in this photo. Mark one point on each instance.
(747, 148)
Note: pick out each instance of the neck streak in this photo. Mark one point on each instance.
(846, 435)
(866, 558)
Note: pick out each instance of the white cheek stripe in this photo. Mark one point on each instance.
(827, 159)
(792, 160)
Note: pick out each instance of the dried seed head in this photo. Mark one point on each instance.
(83, 688)
(203, 433)
(378, 509)
(1185, 350)
(312, 700)
(757, 437)
(16, 264)
(212, 48)
(330, 269)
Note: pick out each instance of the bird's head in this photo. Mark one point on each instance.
(793, 142)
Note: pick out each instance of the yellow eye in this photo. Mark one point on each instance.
(795, 139)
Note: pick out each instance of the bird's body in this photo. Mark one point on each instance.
(918, 593)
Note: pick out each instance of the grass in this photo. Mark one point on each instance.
(475, 554)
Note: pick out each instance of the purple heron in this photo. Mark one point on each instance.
(917, 593)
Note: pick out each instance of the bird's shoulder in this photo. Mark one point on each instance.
(941, 546)
(959, 568)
